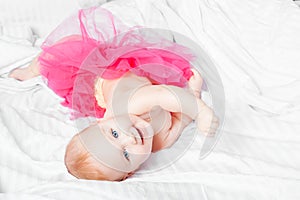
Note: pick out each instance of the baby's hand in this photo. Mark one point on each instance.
(207, 122)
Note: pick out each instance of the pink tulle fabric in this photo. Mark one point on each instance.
(93, 43)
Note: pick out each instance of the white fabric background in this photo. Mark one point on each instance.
(255, 46)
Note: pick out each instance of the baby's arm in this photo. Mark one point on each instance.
(174, 99)
(170, 98)
(167, 138)
(167, 126)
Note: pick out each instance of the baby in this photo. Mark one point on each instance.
(115, 147)
(136, 88)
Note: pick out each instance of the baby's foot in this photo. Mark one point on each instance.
(207, 122)
(195, 83)
(22, 74)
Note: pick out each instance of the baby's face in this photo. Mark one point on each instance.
(121, 143)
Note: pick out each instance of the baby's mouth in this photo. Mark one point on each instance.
(140, 134)
(143, 132)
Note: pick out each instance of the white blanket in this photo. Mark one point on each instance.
(255, 46)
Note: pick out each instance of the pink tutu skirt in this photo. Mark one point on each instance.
(93, 43)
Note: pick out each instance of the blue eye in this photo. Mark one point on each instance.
(126, 154)
(114, 133)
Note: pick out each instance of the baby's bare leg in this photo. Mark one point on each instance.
(195, 83)
(31, 71)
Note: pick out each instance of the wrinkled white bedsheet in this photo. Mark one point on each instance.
(256, 48)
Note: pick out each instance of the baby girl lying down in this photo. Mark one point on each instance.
(143, 93)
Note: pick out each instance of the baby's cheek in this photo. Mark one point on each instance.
(140, 155)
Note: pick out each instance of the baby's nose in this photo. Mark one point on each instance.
(128, 139)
